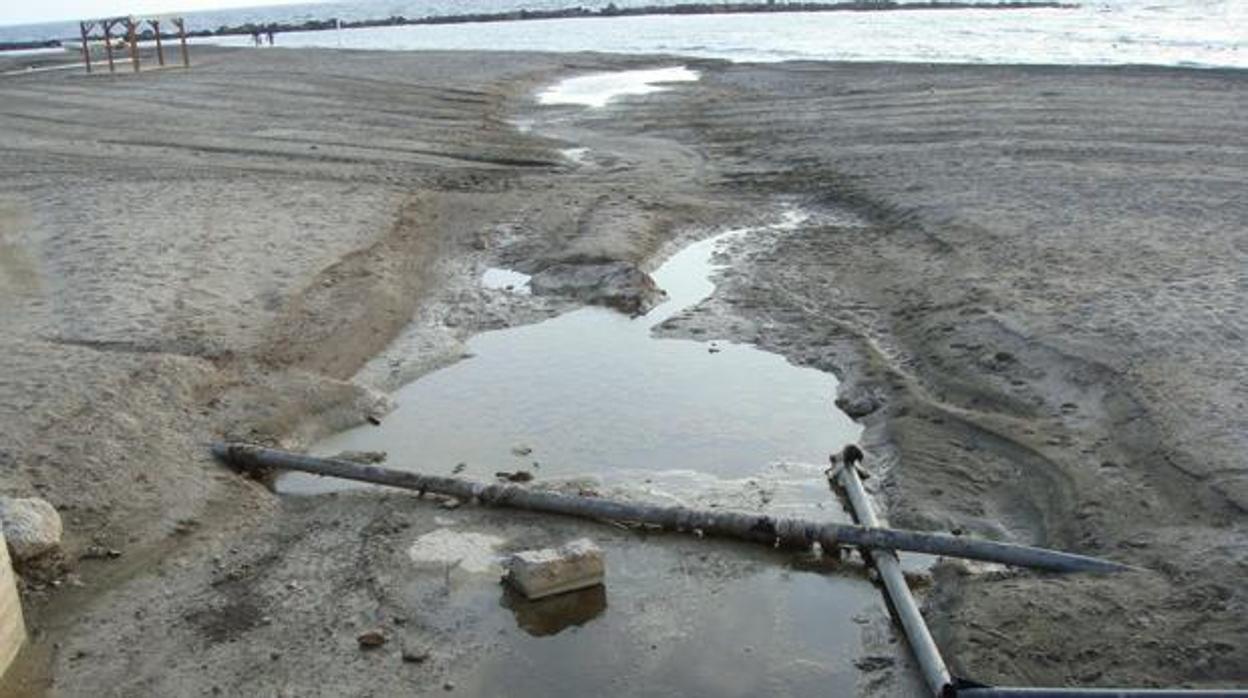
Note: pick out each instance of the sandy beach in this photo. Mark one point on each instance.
(1041, 326)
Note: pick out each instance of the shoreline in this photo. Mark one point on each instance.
(575, 13)
(288, 313)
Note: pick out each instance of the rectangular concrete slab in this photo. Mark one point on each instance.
(541, 573)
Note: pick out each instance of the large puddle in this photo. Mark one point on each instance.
(592, 393)
(600, 88)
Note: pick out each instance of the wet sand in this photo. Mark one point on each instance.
(1046, 313)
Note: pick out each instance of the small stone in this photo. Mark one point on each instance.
(448, 686)
(450, 503)
(370, 639)
(415, 655)
(874, 663)
(94, 552)
(517, 476)
(32, 527)
(521, 451)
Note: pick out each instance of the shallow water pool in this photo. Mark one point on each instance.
(593, 393)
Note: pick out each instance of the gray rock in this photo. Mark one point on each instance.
(618, 285)
(415, 654)
(859, 404)
(32, 527)
(370, 639)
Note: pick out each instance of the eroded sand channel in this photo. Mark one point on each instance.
(592, 397)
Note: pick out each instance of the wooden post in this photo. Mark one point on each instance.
(186, 57)
(108, 44)
(132, 38)
(160, 50)
(86, 46)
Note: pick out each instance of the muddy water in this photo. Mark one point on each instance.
(683, 618)
(592, 393)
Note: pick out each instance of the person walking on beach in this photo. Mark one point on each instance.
(269, 35)
(255, 37)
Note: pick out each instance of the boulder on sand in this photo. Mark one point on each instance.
(31, 527)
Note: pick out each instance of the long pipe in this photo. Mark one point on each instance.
(935, 673)
(1000, 692)
(754, 527)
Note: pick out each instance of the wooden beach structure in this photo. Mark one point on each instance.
(131, 30)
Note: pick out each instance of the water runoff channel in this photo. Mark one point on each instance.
(592, 395)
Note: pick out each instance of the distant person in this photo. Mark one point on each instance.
(269, 36)
(255, 37)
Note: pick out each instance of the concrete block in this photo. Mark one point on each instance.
(541, 573)
(12, 624)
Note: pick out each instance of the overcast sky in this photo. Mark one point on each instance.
(32, 11)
